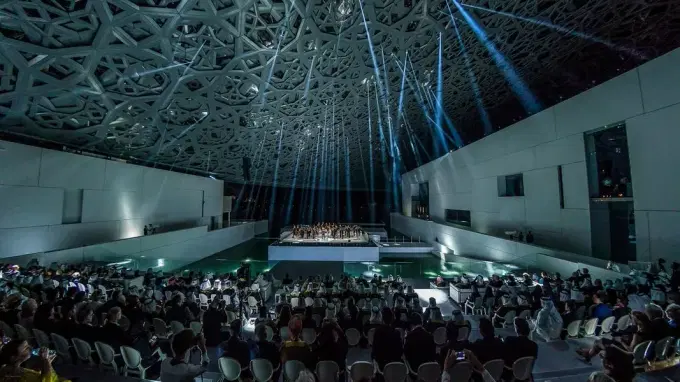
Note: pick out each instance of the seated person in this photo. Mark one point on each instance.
(489, 347)
(520, 346)
(600, 309)
(15, 353)
(548, 322)
(400, 313)
(452, 342)
(213, 320)
(112, 334)
(505, 308)
(623, 340)
(332, 344)
(387, 345)
(296, 348)
(262, 348)
(235, 347)
(419, 346)
(568, 316)
(175, 368)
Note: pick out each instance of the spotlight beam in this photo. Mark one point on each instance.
(521, 90)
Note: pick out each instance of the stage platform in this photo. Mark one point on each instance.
(323, 251)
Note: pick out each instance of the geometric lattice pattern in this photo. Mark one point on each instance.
(201, 84)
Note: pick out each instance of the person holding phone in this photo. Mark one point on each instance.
(453, 357)
(15, 353)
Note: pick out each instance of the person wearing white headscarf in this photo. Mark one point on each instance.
(548, 322)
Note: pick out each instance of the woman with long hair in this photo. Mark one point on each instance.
(642, 334)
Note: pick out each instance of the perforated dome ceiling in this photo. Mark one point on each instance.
(201, 84)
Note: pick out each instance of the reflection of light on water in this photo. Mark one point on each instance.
(367, 263)
(449, 273)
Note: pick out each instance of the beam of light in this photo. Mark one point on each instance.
(186, 69)
(280, 36)
(521, 90)
(313, 183)
(309, 78)
(401, 93)
(455, 137)
(440, 92)
(272, 202)
(249, 211)
(370, 153)
(370, 48)
(421, 98)
(258, 153)
(572, 32)
(486, 121)
(153, 71)
(259, 186)
(392, 142)
(348, 203)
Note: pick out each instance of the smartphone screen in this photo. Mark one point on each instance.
(460, 356)
(153, 339)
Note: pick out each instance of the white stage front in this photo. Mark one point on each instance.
(323, 253)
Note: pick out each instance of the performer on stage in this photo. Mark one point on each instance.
(326, 231)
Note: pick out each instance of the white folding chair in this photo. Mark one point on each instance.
(525, 314)
(606, 325)
(661, 348)
(439, 336)
(292, 368)
(309, 301)
(231, 316)
(353, 336)
(590, 327)
(270, 332)
(159, 328)
(202, 301)
(133, 362)
(573, 328)
(41, 338)
(196, 327)
(327, 371)
(252, 304)
(431, 371)
(494, 367)
(640, 351)
(61, 346)
(158, 296)
(83, 350)
(361, 370)
(317, 319)
(508, 319)
(230, 368)
(522, 368)
(476, 306)
(107, 357)
(294, 302)
(623, 322)
(262, 369)
(370, 335)
(7, 330)
(124, 323)
(284, 333)
(21, 333)
(463, 333)
(309, 335)
(176, 327)
(395, 372)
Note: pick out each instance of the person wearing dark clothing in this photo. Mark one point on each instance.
(213, 319)
(85, 330)
(568, 316)
(519, 346)
(177, 311)
(452, 343)
(332, 344)
(419, 346)
(387, 344)
(67, 326)
(489, 346)
(112, 334)
(235, 347)
(308, 322)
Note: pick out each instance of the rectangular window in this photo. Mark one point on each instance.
(511, 185)
(459, 217)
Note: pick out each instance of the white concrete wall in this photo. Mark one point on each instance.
(455, 243)
(646, 98)
(174, 249)
(54, 200)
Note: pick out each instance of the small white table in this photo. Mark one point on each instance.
(459, 295)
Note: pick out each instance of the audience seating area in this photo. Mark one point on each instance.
(323, 329)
